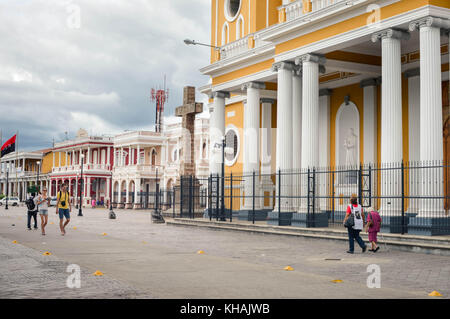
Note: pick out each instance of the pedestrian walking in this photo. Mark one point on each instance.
(43, 201)
(373, 227)
(354, 221)
(31, 211)
(63, 208)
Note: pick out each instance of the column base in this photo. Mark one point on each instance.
(128, 205)
(247, 215)
(434, 226)
(120, 205)
(137, 206)
(305, 220)
(279, 219)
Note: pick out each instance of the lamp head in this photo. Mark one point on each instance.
(189, 42)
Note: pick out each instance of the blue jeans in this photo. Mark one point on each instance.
(352, 235)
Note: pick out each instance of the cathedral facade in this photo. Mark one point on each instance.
(313, 84)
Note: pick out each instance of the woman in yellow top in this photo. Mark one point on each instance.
(63, 208)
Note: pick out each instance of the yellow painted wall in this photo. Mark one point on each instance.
(47, 163)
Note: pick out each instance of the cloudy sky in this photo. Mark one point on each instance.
(70, 64)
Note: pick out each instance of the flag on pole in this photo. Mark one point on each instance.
(9, 146)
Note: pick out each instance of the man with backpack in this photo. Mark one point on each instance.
(63, 208)
(32, 211)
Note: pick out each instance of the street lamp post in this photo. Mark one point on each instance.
(112, 215)
(192, 42)
(7, 188)
(37, 177)
(227, 150)
(78, 190)
(80, 209)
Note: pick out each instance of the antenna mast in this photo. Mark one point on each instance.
(160, 96)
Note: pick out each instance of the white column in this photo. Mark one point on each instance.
(121, 161)
(252, 142)
(391, 118)
(310, 117)
(431, 128)
(284, 134)
(217, 130)
(370, 121)
(297, 97)
(88, 190)
(59, 164)
(88, 161)
(127, 187)
(138, 158)
(414, 136)
(266, 151)
(108, 157)
(137, 190)
(66, 160)
(324, 146)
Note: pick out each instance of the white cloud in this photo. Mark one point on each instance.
(101, 73)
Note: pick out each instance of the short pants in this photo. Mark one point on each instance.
(64, 213)
(43, 212)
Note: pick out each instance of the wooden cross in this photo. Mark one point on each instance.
(188, 111)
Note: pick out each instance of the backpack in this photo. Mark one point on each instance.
(30, 204)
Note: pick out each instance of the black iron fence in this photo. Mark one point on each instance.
(411, 197)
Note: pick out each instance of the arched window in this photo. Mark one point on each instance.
(232, 9)
(240, 28)
(154, 157)
(225, 34)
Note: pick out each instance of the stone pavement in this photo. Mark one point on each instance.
(140, 259)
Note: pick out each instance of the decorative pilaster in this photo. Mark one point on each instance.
(266, 152)
(284, 133)
(297, 88)
(431, 128)
(310, 116)
(252, 141)
(391, 117)
(217, 130)
(324, 145)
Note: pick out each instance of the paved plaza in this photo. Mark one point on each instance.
(144, 260)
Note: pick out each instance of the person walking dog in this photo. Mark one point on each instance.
(373, 228)
(354, 221)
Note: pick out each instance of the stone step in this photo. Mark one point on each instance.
(411, 243)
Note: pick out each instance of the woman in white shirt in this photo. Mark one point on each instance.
(43, 202)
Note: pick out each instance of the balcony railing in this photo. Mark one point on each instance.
(148, 169)
(86, 167)
(294, 10)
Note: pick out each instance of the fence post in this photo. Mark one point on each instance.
(360, 187)
(174, 203)
(218, 197)
(191, 194)
(279, 195)
(308, 216)
(332, 195)
(253, 197)
(210, 197)
(403, 198)
(314, 199)
(231, 197)
(181, 196)
(370, 185)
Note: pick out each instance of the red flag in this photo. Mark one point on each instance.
(9, 146)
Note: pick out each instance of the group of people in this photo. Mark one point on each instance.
(40, 203)
(372, 226)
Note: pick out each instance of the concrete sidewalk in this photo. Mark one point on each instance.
(438, 245)
(160, 261)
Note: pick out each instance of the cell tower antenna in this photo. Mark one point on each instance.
(160, 96)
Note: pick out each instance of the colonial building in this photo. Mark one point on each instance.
(145, 158)
(327, 83)
(96, 154)
(22, 168)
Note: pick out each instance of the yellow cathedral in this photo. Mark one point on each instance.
(327, 85)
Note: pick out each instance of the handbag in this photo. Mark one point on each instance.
(350, 222)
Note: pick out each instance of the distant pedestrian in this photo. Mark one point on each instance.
(373, 228)
(63, 208)
(31, 211)
(43, 202)
(355, 212)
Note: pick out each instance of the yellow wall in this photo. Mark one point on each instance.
(47, 163)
